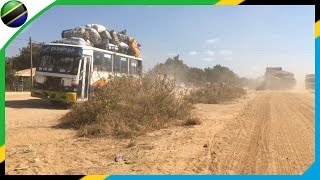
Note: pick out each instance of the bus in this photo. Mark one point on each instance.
(67, 73)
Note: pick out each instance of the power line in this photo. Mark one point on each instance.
(31, 64)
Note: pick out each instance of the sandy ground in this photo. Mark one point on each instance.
(266, 132)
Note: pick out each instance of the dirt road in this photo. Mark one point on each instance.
(266, 132)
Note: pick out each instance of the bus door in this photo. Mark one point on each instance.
(84, 80)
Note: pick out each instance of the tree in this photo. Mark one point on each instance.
(22, 61)
(219, 74)
(196, 76)
(173, 67)
(192, 75)
(10, 77)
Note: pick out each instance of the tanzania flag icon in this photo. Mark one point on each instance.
(14, 13)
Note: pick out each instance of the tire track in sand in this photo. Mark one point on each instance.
(273, 134)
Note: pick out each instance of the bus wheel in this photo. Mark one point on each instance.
(56, 103)
(70, 105)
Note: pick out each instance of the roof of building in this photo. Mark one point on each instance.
(26, 72)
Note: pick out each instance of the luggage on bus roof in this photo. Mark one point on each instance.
(99, 36)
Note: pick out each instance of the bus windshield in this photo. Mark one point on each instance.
(56, 64)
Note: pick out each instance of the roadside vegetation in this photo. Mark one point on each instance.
(215, 93)
(127, 107)
(197, 77)
(19, 62)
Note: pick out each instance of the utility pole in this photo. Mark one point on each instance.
(31, 61)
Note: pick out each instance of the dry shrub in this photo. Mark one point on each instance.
(192, 122)
(127, 107)
(215, 93)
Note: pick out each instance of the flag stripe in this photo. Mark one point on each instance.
(12, 9)
(229, 2)
(278, 2)
(317, 29)
(2, 153)
(16, 18)
(13, 14)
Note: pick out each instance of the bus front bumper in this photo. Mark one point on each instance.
(66, 97)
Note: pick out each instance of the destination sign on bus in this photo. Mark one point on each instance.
(77, 51)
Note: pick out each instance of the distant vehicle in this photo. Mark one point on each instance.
(277, 79)
(309, 81)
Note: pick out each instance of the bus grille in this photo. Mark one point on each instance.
(53, 83)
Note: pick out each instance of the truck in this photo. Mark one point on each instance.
(275, 78)
(309, 81)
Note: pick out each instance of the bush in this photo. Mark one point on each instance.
(192, 121)
(215, 93)
(10, 78)
(127, 107)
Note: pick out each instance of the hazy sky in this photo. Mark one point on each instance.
(243, 38)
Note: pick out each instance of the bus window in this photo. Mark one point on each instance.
(120, 64)
(117, 64)
(46, 63)
(124, 65)
(58, 64)
(102, 62)
(65, 65)
(133, 66)
(108, 62)
(139, 67)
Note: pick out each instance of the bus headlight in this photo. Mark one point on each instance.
(39, 79)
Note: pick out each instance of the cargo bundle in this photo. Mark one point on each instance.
(99, 36)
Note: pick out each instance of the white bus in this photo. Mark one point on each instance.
(66, 73)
